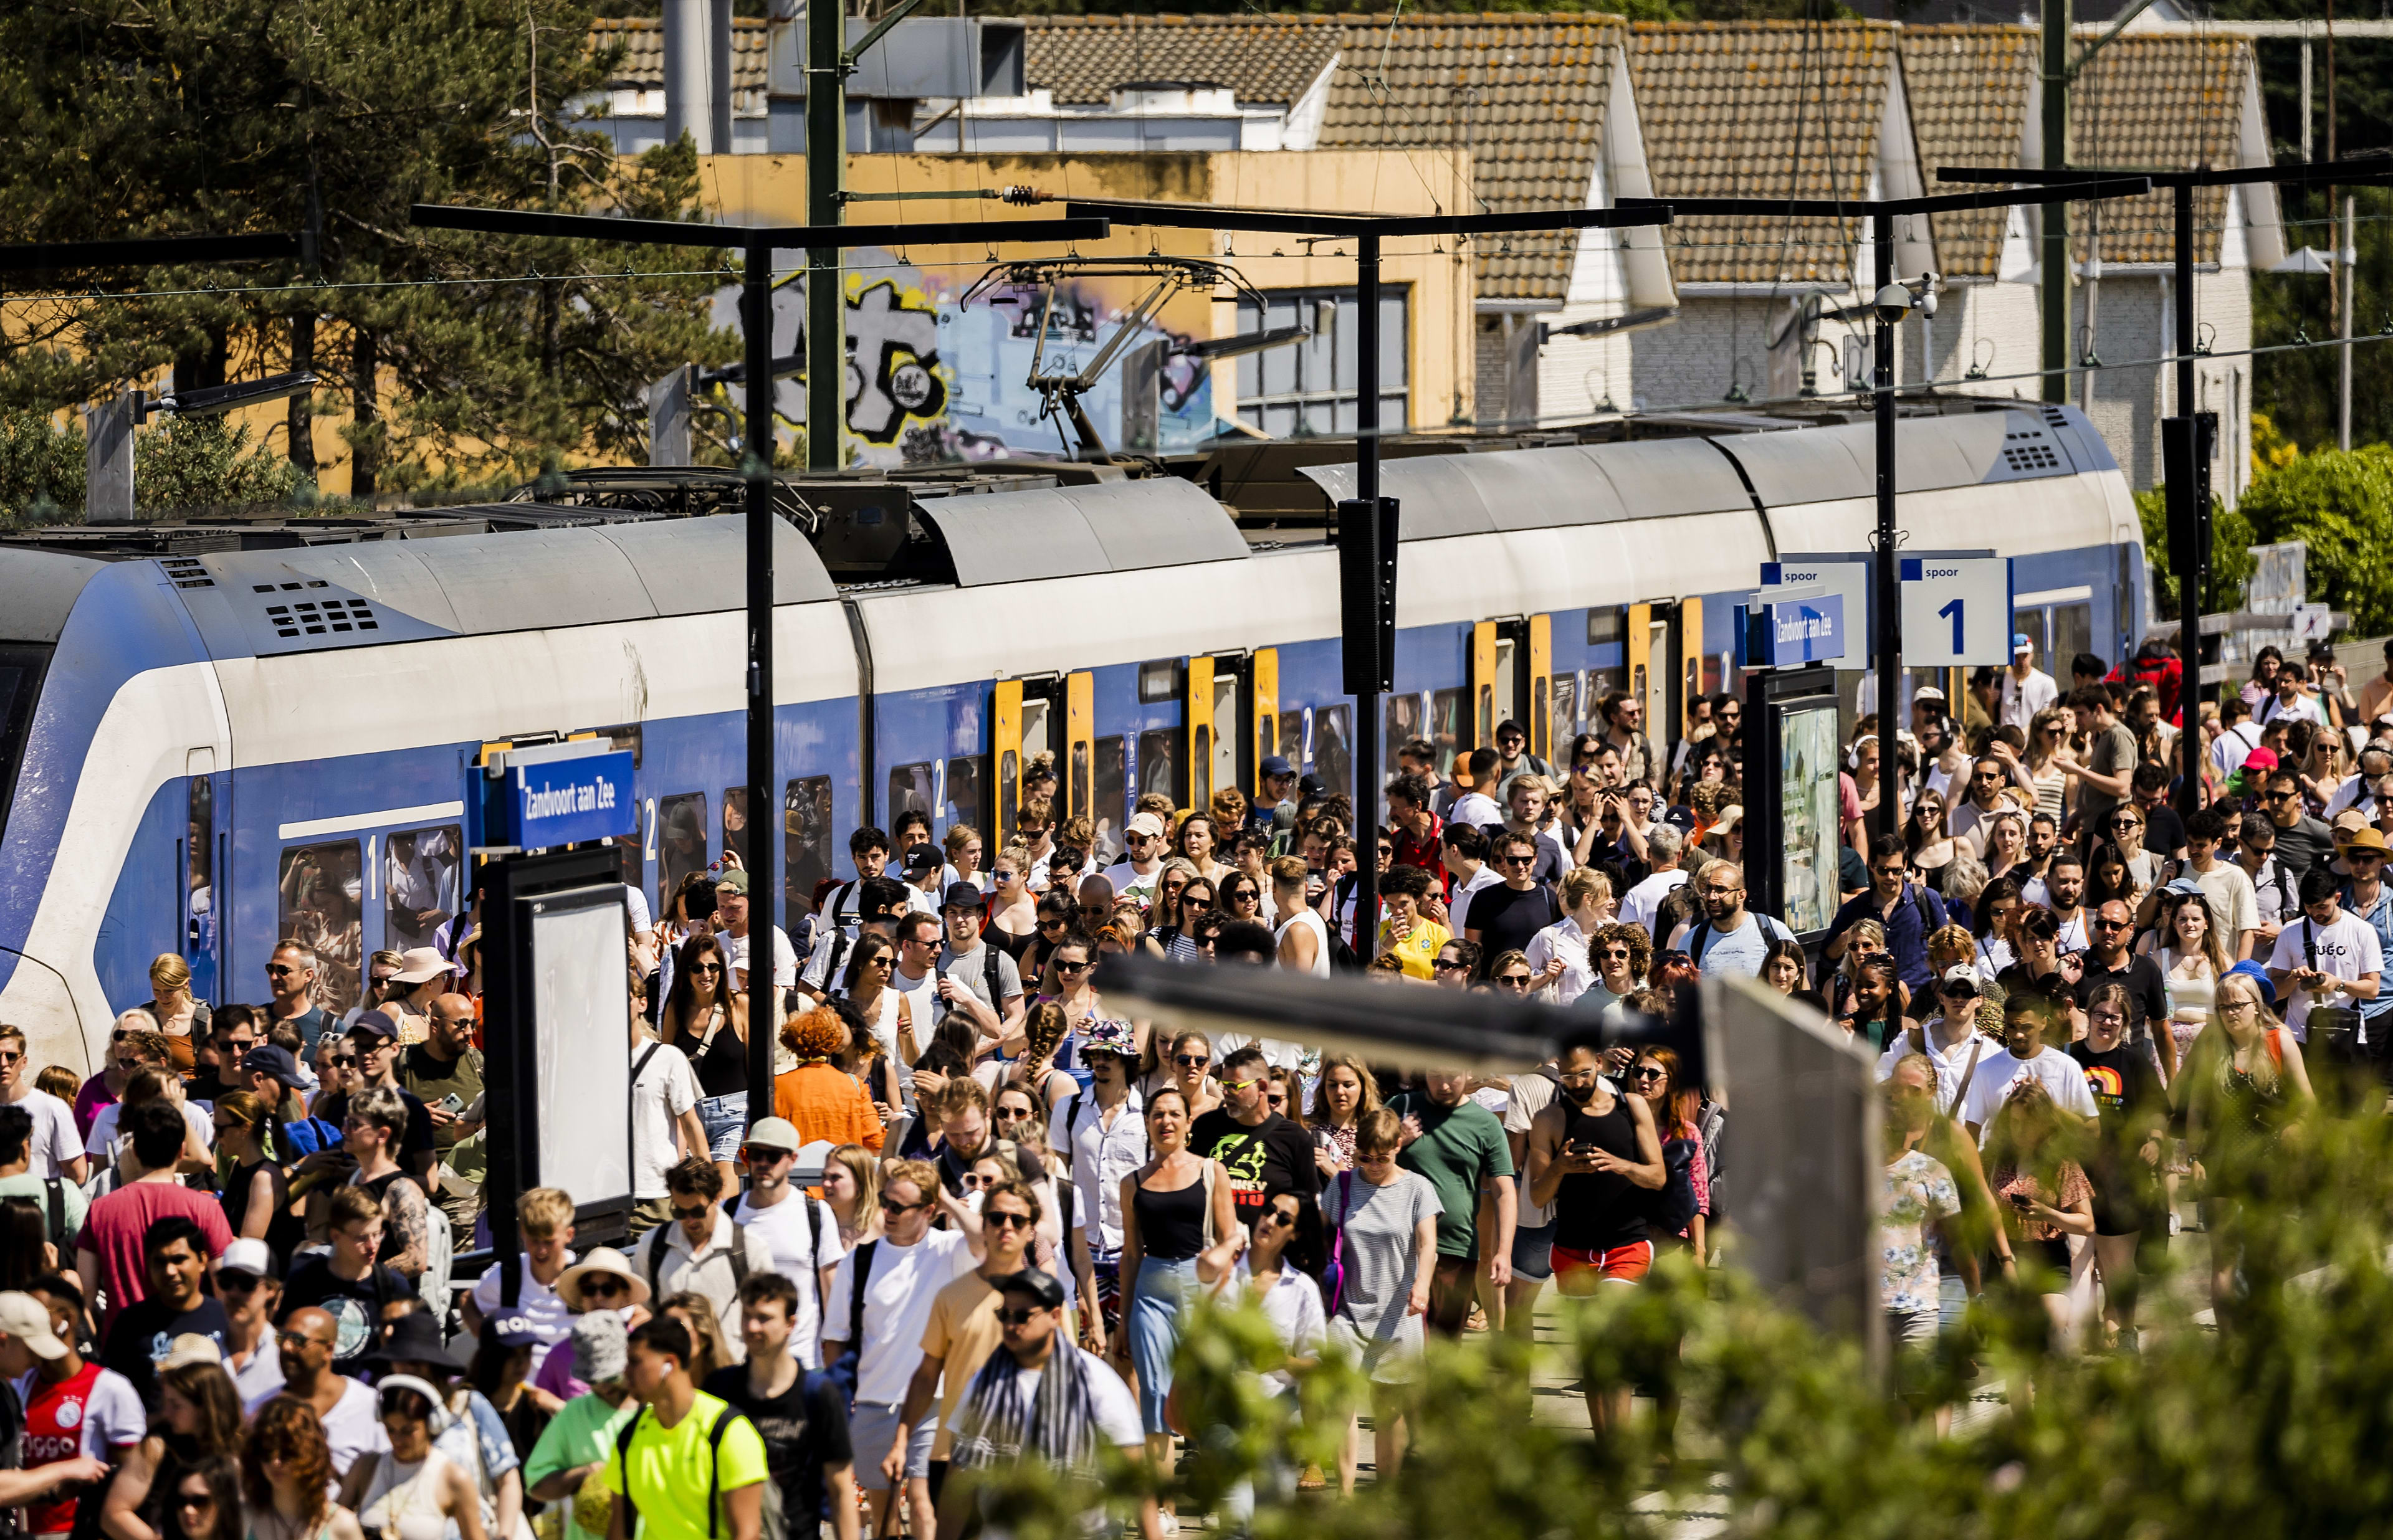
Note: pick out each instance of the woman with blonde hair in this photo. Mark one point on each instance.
(2244, 1086)
(1344, 1093)
(1558, 953)
(1043, 1029)
(2045, 772)
(1013, 908)
(181, 1017)
(964, 848)
(851, 1189)
(821, 1100)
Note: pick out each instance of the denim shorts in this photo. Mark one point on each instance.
(725, 1118)
(1533, 1253)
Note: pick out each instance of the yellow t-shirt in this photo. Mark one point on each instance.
(669, 1469)
(1419, 949)
(961, 1333)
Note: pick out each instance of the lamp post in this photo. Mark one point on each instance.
(756, 244)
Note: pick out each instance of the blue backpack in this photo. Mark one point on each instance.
(308, 1136)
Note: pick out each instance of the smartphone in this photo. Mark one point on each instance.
(2022, 1201)
(451, 1104)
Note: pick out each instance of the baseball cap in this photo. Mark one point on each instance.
(734, 881)
(25, 1318)
(374, 1024)
(1277, 764)
(775, 1133)
(1039, 1287)
(1927, 692)
(248, 1256)
(1680, 818)
(1146, 824)
(924, 858)
(274, 1060)
(961, 895)
(515, 1330)
(2021, 642)
(2261, 759)
(191, 1348)
(1962, 975)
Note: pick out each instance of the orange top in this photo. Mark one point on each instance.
(824, 1102)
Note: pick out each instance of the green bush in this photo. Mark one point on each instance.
(2230, 555)
(2341, 504)
(197, 463)
(41, 469)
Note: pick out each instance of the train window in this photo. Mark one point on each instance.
(1201, 764)
(964, 792)
(1446, 725)
(1291, 737)
(735, 821)
(1603, 626)
(1226, 727)
(1160, 680)
(1112, 795)
(1333, 746)
(1403, 719)
(627, 736)
(909, 790)
(681, 844)
(1565, 701)
(1159, 763)
(805, 840)
(199, 886)
(318, 892)
(419, 883)
(21, 685)
(2073, 633)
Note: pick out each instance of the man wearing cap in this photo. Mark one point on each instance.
(800, 1235)
(251, 1292)
(1135, 874)
(925, 869)
(79, 1418)
(2026, 689)
(1102, 1132)
(976, 978)
(270, 1073)
(1004, 1417)
(1949, 1039)
(1273, 810)
(731, 920)
(2365, 898)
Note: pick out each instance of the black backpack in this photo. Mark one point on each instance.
(722, 1424)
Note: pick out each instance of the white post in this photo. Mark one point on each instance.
(686, 74)
(2349, 258)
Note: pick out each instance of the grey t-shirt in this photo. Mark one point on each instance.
(1378, 1224)
(1738, 951)
(971, 970)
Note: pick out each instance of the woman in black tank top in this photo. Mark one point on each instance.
(1173, 1207)
(708, 1022)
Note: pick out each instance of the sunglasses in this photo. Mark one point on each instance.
(891, 1205)
(11, 1057)
(759, 1154)
(1007, 1222)
(1013, 1114)
(1072, 967)
(279, 970)
(1194, 1060)
(605, 1286)
(706, 967)
(1615, 954)
(1051, 922)
(1518, 861)
(1019, 1316)
(1513, 981)
(1447, 965)
(1280, 1219)
(973, 1182)
(1648, 1072)
(698, 1212)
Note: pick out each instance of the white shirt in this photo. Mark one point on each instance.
(1644, 900)
(351, 1427)
(1308, 919)
(925, 995)
(663, 1089)
(1951, 1063)
(1460, 905)
(54, 1141)
(1563, 939)
(788, 1234)
(2353, 792)
(785, 958)
(102, 1142)
(1101, 1157)
(707, 1272)
(896, 1307)
(1998, 1072)
(2345, 950)
(1128, 883)
(2021, 698)
(2304, 708)
(1293, 1307)
(535, 1301)
(2234, 907)
(1475, 809)
(2234, 745)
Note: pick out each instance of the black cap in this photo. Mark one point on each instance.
(275, 1060)
(924, 858)
(1680, 818)
(961, 895)
(1040, 1288)
(374, 1024)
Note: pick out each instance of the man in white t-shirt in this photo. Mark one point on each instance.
(2026, 688)
(903, 1273)
(2234, 908)
(1644, 900)
(664, 1104)
(2325, 957)
(801, 1233)
(54, 1149)
(731, 929)
(915, 973)
(2025, 1015)
(1728, 938)
(544, 1224)
(1135, 876)
(1462, 850)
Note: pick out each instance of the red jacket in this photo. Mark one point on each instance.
(1423, 853)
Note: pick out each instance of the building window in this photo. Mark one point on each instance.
(1311, 386)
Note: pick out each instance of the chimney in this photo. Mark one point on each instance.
(688, 78)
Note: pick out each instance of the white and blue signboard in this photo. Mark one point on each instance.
(1845, 576)
(1957, 611)
(559, 794)
(1783, 632)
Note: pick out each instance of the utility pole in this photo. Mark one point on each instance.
(1889, 649)
(826, 207)
(2055, 236)
(756, 244)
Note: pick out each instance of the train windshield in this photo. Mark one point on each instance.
(21, 664)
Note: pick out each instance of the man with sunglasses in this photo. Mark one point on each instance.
(305, 1344)
(1263, 1152)
(2111, 961)
(703, 1251)
(1972, 817)
(879, 1303)
(1727, 939)
(2275, 892)
(291, 980)
(2327, 958)
(54, 1150)
(1135, 874)
(2304, 843)
(1909, 912)
(963, 1330)
(251, 1296)
(1949, 1041)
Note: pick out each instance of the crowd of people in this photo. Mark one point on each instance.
(226, 1302)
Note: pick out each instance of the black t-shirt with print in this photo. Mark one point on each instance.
(355, 1305)
(805, 1429)
(143, 1333)
(1272, 1157)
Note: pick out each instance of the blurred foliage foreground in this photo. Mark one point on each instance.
(2278, 1423)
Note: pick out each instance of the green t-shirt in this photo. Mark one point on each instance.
(1461, 1150)
(72, 1203)
(434, 1081)
(669, 1469)
(582, 1433)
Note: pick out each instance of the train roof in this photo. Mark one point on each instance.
(38, 591)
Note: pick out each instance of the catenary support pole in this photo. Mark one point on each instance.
(1888, 592)
(763, 879)
(2186, 556)
(2055, 240)
(1366, 490)
(826, 287)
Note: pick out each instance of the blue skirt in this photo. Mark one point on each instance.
(1153, 1314)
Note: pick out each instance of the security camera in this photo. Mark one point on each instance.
(1927, 304)
(1891, 303)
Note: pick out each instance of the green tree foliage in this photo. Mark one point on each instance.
(2341, 506)
(2230, 555)
(208, 463)
(41, 469)
(128, 117)
(2270, 1427)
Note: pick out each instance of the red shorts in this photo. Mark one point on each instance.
(1624, 1265)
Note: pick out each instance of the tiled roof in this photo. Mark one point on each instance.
(643, 67)
(1761, 110)
(1266, 59)
(1523, 94)
(1969, 89)
(2168, 101)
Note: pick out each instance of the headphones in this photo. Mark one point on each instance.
(439, 1422)
(1853, 754)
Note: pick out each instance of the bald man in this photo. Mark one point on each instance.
(307, 1340)
(446, 1071)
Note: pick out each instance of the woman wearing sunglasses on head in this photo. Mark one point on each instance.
(1013, 908)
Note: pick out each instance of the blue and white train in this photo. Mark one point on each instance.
(206, 750)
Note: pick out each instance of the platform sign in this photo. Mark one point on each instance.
(1848, 577)
(556, 794)
(1806, 627)
(1957, 611)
